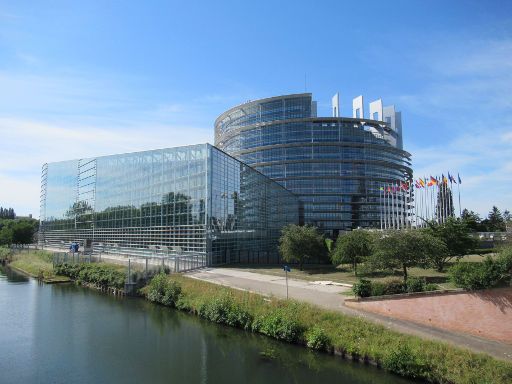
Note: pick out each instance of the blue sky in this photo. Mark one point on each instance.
(80, 79)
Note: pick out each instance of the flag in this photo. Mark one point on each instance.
(418, 186)
(460, 181)
(445, 180)
(381, 188)
(433, 181)
(451, 178)
(422, 183)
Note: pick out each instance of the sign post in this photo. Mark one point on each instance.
(286, 270)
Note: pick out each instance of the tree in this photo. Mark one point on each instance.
(472, 220)
(300, 243)
(17, 231)
(406, 249)
(455, 235)
(352, 247)
(23, 232)
(495, 220)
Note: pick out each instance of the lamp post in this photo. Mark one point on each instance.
(286, 270)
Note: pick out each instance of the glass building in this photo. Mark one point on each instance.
(195, 200)
(335, 165)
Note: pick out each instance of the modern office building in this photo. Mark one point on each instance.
(193, 200)
(335, 165)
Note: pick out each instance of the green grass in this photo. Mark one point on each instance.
(345, 274)
(37, 264)
(306, 324)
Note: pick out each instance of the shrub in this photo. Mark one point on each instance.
(163, 290)
(98, 274)
(403, 361)
(280, 325)
(4, 252)
(394, 287)
(378, 288)
(316, 338)
(415, 284)
(504, 260)
(431, 287)
(225, 310)
(363, 288)
(471, 276)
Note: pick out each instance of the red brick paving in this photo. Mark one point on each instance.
(487, 314)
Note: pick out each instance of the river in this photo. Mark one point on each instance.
(68, 334)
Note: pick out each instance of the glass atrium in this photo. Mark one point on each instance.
(193, 200)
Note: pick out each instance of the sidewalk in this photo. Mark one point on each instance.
(330, 297)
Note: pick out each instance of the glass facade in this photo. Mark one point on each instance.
(335, 165)
(196, 199)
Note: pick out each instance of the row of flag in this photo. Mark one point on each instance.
(422, 183)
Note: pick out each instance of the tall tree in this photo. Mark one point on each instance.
(352, 247)
(300, 243)
(472, 220)
(495, 219)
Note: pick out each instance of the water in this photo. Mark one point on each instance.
(68, 334)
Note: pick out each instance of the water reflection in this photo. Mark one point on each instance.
(11, 276)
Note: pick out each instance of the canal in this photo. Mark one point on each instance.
(69, 334)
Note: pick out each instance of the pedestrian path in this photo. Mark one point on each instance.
(331, 297)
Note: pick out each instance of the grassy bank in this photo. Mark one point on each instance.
(37, 264)
(301, 323)
(333, 332)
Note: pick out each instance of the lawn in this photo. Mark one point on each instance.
(345, 274)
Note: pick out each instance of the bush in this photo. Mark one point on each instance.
(363, 288)
(394, 287)
(471, 276)
(224, 310)
(504, 260)
(4, 252)
(101, 275)
(403, 361)
(415, 284)
(378, 288)
(431, 287)
(280, 325)
(316, 338)
(163, 290)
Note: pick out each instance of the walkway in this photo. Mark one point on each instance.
(329, 297)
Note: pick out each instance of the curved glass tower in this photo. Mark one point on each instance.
(335, 165)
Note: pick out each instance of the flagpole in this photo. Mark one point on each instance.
(458, 189)
(390, 222)
(415, 209)
(450, 200)
(380, 208)
(385, 209)
(397, 206)
(411, 207)
(443, 202)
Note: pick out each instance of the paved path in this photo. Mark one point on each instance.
(329, 297)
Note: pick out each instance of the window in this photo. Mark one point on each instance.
(375, 116)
